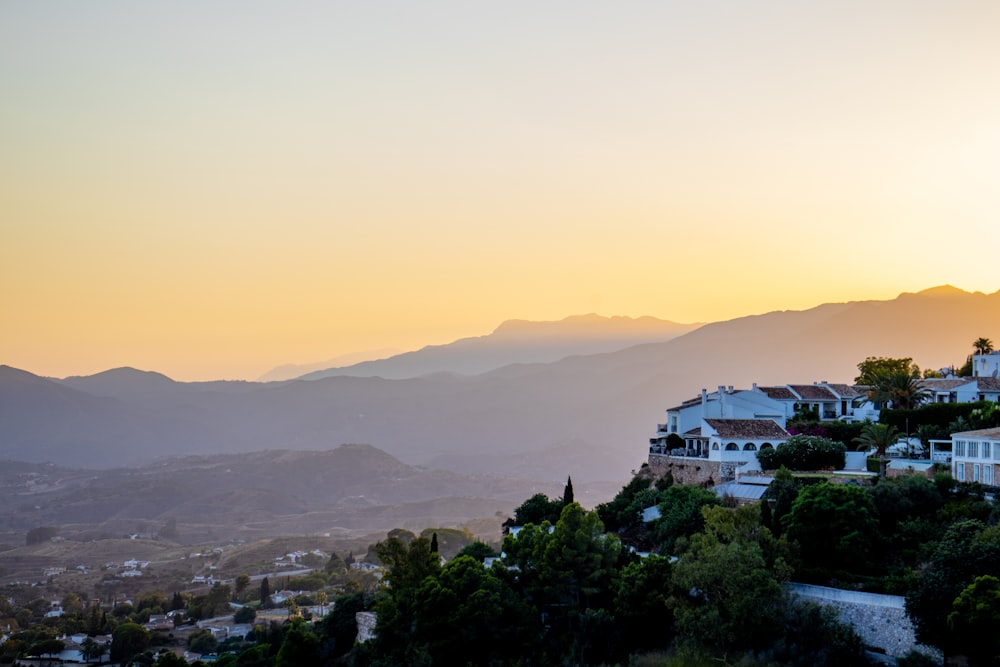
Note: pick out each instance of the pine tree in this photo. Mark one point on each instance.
(568, 491)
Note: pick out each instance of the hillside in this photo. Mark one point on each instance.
(589, 416)
(348, 490)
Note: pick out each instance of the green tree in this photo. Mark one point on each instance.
(91, 650)
(467, 615)
(203, 642)
(974, 619)
(50, 647)
(241, 583)
(878, 437)
(623, 510)
(892, 381)
(407, 565)
(966, 551)
(724, 598)
(127, 641)
(265, 593)
(478, 550)
(340, 627)
(567, 497)
(641, 604)
(836, 527)
(680, 515)
(536, 509)
(335, 566)
(300, 647)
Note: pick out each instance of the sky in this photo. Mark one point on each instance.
(210, 190)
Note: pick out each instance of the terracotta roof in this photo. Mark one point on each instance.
(747, 429)
(988, 433)
(843, 390)
(812, 391)
(693, 433)
(778, 393)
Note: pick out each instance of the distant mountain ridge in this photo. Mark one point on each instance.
(517, 341)
(587, 415)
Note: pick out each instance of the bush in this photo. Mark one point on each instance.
(804, 452)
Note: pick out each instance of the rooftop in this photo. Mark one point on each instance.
(747, 428)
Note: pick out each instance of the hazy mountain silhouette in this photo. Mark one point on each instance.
(517, 341)
(589, 416)
(292, 371)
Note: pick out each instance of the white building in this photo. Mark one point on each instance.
(963, 390)
(986, 365)
(778, 404)
(975, 456)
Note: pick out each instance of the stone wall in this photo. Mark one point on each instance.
(880, 620)
(686, 470)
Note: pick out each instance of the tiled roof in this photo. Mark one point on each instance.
(812, 391)
(686, 404)
(693, 433)
(943, 384)
(987, 433)
(988, 383)
(778, 393)
(747, 429)
(844, 390)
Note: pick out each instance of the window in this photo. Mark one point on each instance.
(732, 447)
(960, 448)
(996, 451)
(988, 474)
(960, 471)
(975, 473)
(749, 447)
(973, 450)
(768, 445)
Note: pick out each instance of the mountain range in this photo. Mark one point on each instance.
(475, 406)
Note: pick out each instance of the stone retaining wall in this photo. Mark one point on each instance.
(686, 470)
(880, 620)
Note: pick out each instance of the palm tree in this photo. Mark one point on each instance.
(983, 346)
(878, 437)
(900, 390)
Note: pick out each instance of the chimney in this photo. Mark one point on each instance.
(722, 402)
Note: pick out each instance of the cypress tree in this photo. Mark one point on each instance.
(265, 592)
(434, 543)
(568, 491)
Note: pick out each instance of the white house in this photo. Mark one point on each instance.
(778, 404)
(963, 390)
(738, 440)
(986, 365)
(975, 456)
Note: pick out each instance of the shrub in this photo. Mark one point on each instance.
(804, 452)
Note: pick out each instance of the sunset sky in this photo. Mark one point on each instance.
(213, 189)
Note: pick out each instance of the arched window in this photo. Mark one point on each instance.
(749, 447)
(715, 446)
(732, 447)
(766, 445)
